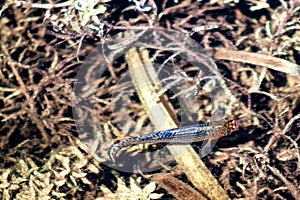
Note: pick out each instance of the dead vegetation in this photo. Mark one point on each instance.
(255, 44)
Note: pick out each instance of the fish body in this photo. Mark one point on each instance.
(182, 135)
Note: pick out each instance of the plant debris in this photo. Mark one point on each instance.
(43, 45)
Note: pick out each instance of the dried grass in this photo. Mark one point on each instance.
(41, 48)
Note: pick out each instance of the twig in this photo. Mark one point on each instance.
(256, 59)
(288, 125)
(293, 189)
